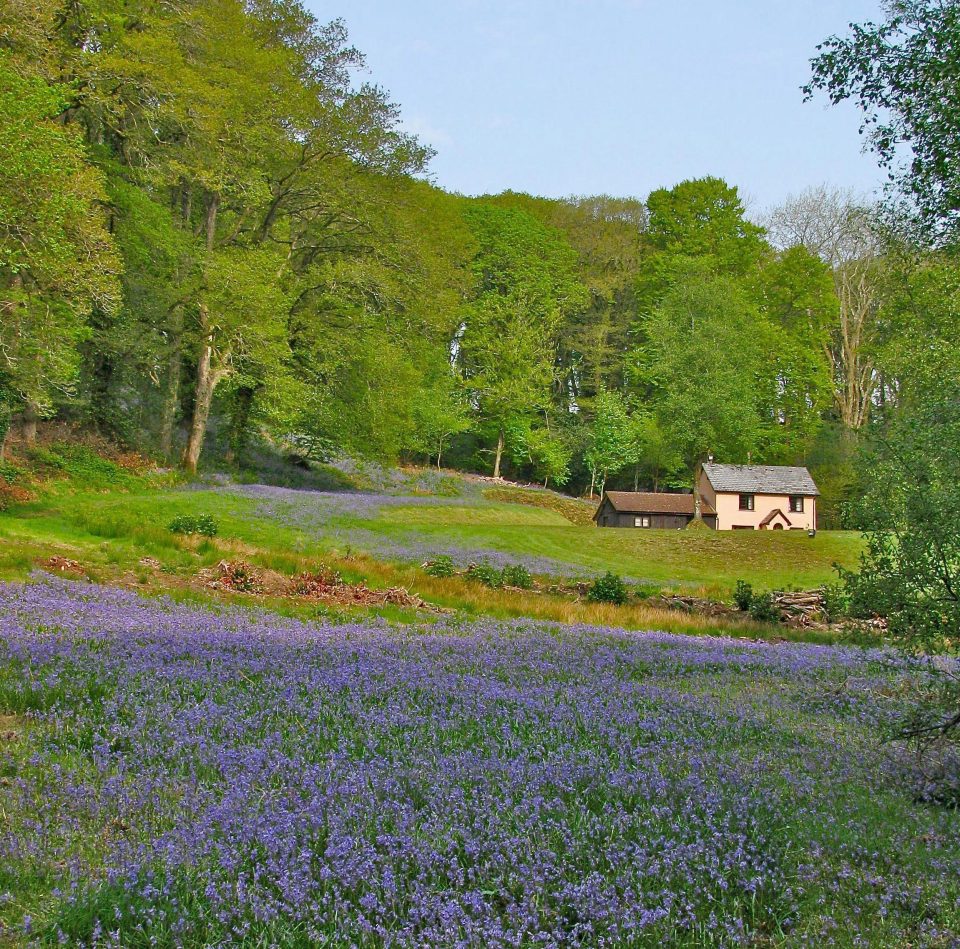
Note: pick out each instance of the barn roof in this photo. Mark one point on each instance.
(760, 479)
(649, 502)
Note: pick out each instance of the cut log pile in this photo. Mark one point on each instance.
(802, 608)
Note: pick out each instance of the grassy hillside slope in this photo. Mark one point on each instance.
(112, 524)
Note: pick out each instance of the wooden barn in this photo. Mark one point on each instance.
(650, 510)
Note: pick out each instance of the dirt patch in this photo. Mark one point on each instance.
(64, 565)
(325, 586)
(11, 729)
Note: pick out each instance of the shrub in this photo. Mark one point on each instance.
(204, 524)
(743, 595)
(10, 472)
(442, 566)
(517, 575)
(609, 588)
(836, 600)
(447, 487)
(486, 574)
(763, 609)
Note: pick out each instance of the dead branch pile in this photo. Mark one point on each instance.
(235, 576)
(331, 587)
(64, 565)
(327, 586)
(691, 604)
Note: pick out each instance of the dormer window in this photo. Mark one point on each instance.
(746, 502)
(796, 504)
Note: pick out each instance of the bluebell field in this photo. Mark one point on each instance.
(185, 776)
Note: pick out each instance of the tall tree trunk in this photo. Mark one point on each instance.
(697, 504)
(210, 220)
(593, 481)
(207, 379)
(499, 456)
(439, 453)
(30, 416)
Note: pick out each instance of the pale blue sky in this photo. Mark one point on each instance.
(560, 97)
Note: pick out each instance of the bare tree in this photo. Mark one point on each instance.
(838, 227)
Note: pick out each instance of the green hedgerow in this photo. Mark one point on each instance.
(609, 588)
(205, 524)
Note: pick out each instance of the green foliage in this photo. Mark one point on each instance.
(525, 283)
(609, 588)
(516, 575)
(204, 524)
(612, 443)
(57, 260)
(743, 595)
(763, 609)
(706, 360)
(836, 601)
(83, 466)
(902, 75)
(11, 473)
(441, 566)
(910, 572)
(704, 218)
(760, 606)
(486, 574)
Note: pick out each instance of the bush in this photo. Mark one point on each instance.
(517, 575)
(759, 605)
(763, 609)
(608, 589)
(743, 595)
(836, 601)
(486, 574)
(447, 487)
(204, 524)
(441, 566)
(10, 472)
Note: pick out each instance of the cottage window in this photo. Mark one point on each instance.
(641, 521)
(746, 502)
(796, 504)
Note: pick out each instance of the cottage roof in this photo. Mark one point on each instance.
(760, 479)
(649, 502)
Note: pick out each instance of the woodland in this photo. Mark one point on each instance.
(216, 236)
